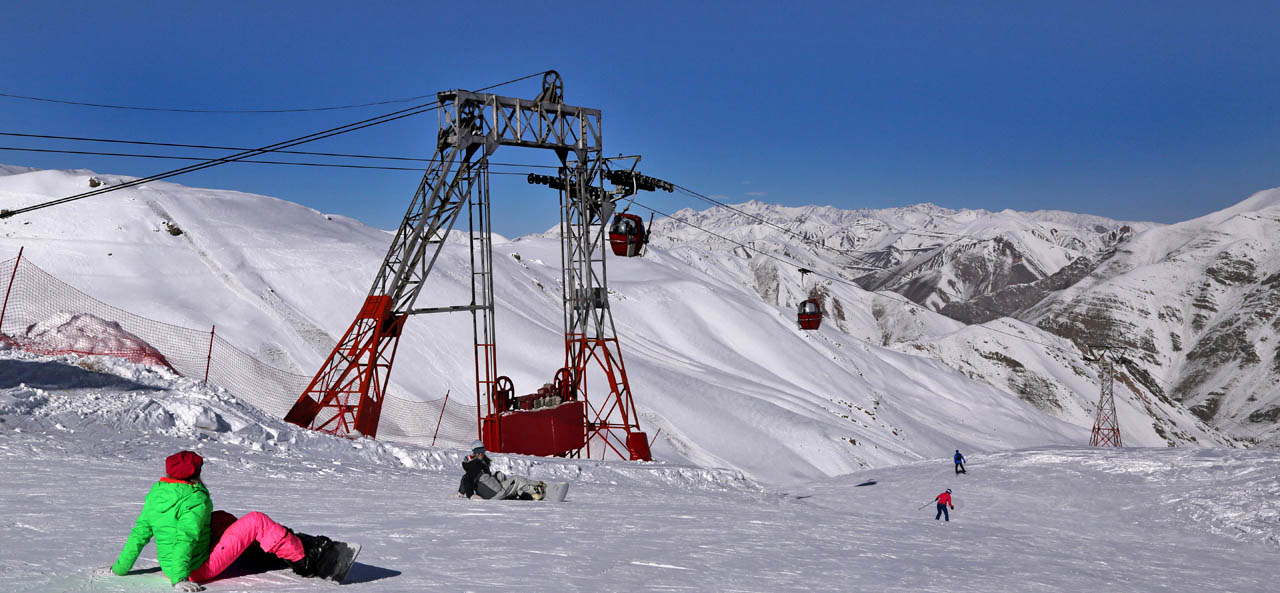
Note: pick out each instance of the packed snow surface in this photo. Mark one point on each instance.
(82, 439)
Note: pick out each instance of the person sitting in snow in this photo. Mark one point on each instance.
(944, 501)
(480, 481)
(959, 459)
(194, 543)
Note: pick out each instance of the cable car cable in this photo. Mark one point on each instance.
(185, 110)
(930, 233)
(255, 161)
(885, 294)
(894, 273)
(211, 147)
(343, 129)
(776, 226)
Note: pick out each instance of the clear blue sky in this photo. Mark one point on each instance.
(1134, 110)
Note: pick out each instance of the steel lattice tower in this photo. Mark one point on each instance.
(346, 395)
(1106, 428)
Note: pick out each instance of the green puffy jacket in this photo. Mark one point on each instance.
(177, 514)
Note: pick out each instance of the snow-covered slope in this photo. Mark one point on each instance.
(1052, 374)
(81, 441)
(1197, 305)
(725, 375)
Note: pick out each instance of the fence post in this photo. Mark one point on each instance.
(5, 308)
(209, 359)
(438, 420)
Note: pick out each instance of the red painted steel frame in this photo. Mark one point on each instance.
(548, 431)
(359, 368)
(613, 422)
(1106, 433)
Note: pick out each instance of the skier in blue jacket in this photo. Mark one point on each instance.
(959, 463)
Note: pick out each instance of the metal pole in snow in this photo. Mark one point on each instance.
(438, 420)
(5, 308)
(655, 435)
(209, 359)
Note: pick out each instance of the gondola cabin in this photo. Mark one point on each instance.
(627, 236)
(809, 314)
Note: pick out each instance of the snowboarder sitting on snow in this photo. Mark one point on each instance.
(194, 543)
(944, 501)
(959, 463)
(480, 481)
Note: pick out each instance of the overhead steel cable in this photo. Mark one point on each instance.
(254, 161)
(885, 294)
(761, 220)
(184, 110)
(212, 147)
(343, 129)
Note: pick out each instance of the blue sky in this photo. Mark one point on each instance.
(1135, 110)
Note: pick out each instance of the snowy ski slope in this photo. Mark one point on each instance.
(81, 440)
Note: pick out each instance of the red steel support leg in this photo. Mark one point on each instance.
(610, 417)
(354, 378)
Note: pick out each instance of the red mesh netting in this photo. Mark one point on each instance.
(44, 315)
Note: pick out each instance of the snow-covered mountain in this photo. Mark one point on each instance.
(724, 374)
(933, 255)
(1196, 306)
(1193, 305)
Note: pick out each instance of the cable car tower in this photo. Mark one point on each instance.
(346, 395)
(1106, 426)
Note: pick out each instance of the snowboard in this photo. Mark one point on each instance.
(556, 491)
(336, 561)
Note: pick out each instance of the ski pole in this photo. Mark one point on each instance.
(925, 505)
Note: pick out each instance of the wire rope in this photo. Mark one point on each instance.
(343, 129)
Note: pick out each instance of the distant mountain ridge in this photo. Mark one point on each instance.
(933, 255)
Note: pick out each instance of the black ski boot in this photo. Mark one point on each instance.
(325, 558)
(314, 546)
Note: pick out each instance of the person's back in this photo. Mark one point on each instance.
(176, 513)
(179, 514)
(944, 501)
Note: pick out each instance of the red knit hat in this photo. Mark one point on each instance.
(183, 465)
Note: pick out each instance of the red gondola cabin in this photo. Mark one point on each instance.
(627, 236)
(809, 315)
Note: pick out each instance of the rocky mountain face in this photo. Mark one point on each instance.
(1196, 306)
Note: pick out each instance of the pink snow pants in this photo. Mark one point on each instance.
(253, 527)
